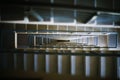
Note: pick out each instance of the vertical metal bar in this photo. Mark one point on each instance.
(51, 12)
(26, 28)
(47, 63)
(103, 67)
(59, 64)
(75, 16)
(15, 40)
(34, 40)
(25, 61)
(35, 62)
(75, 12)
(118, 67)
(67, 28)
(73, 65)
(37, 28)
(52, 15)
(87, 66)
(42, 40)
(95, 3)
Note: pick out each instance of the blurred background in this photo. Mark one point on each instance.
(60, 39)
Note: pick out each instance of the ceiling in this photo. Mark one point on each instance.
(80, 11)
(63, 19)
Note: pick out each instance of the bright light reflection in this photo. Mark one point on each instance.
(26, 19)
(60, 24)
